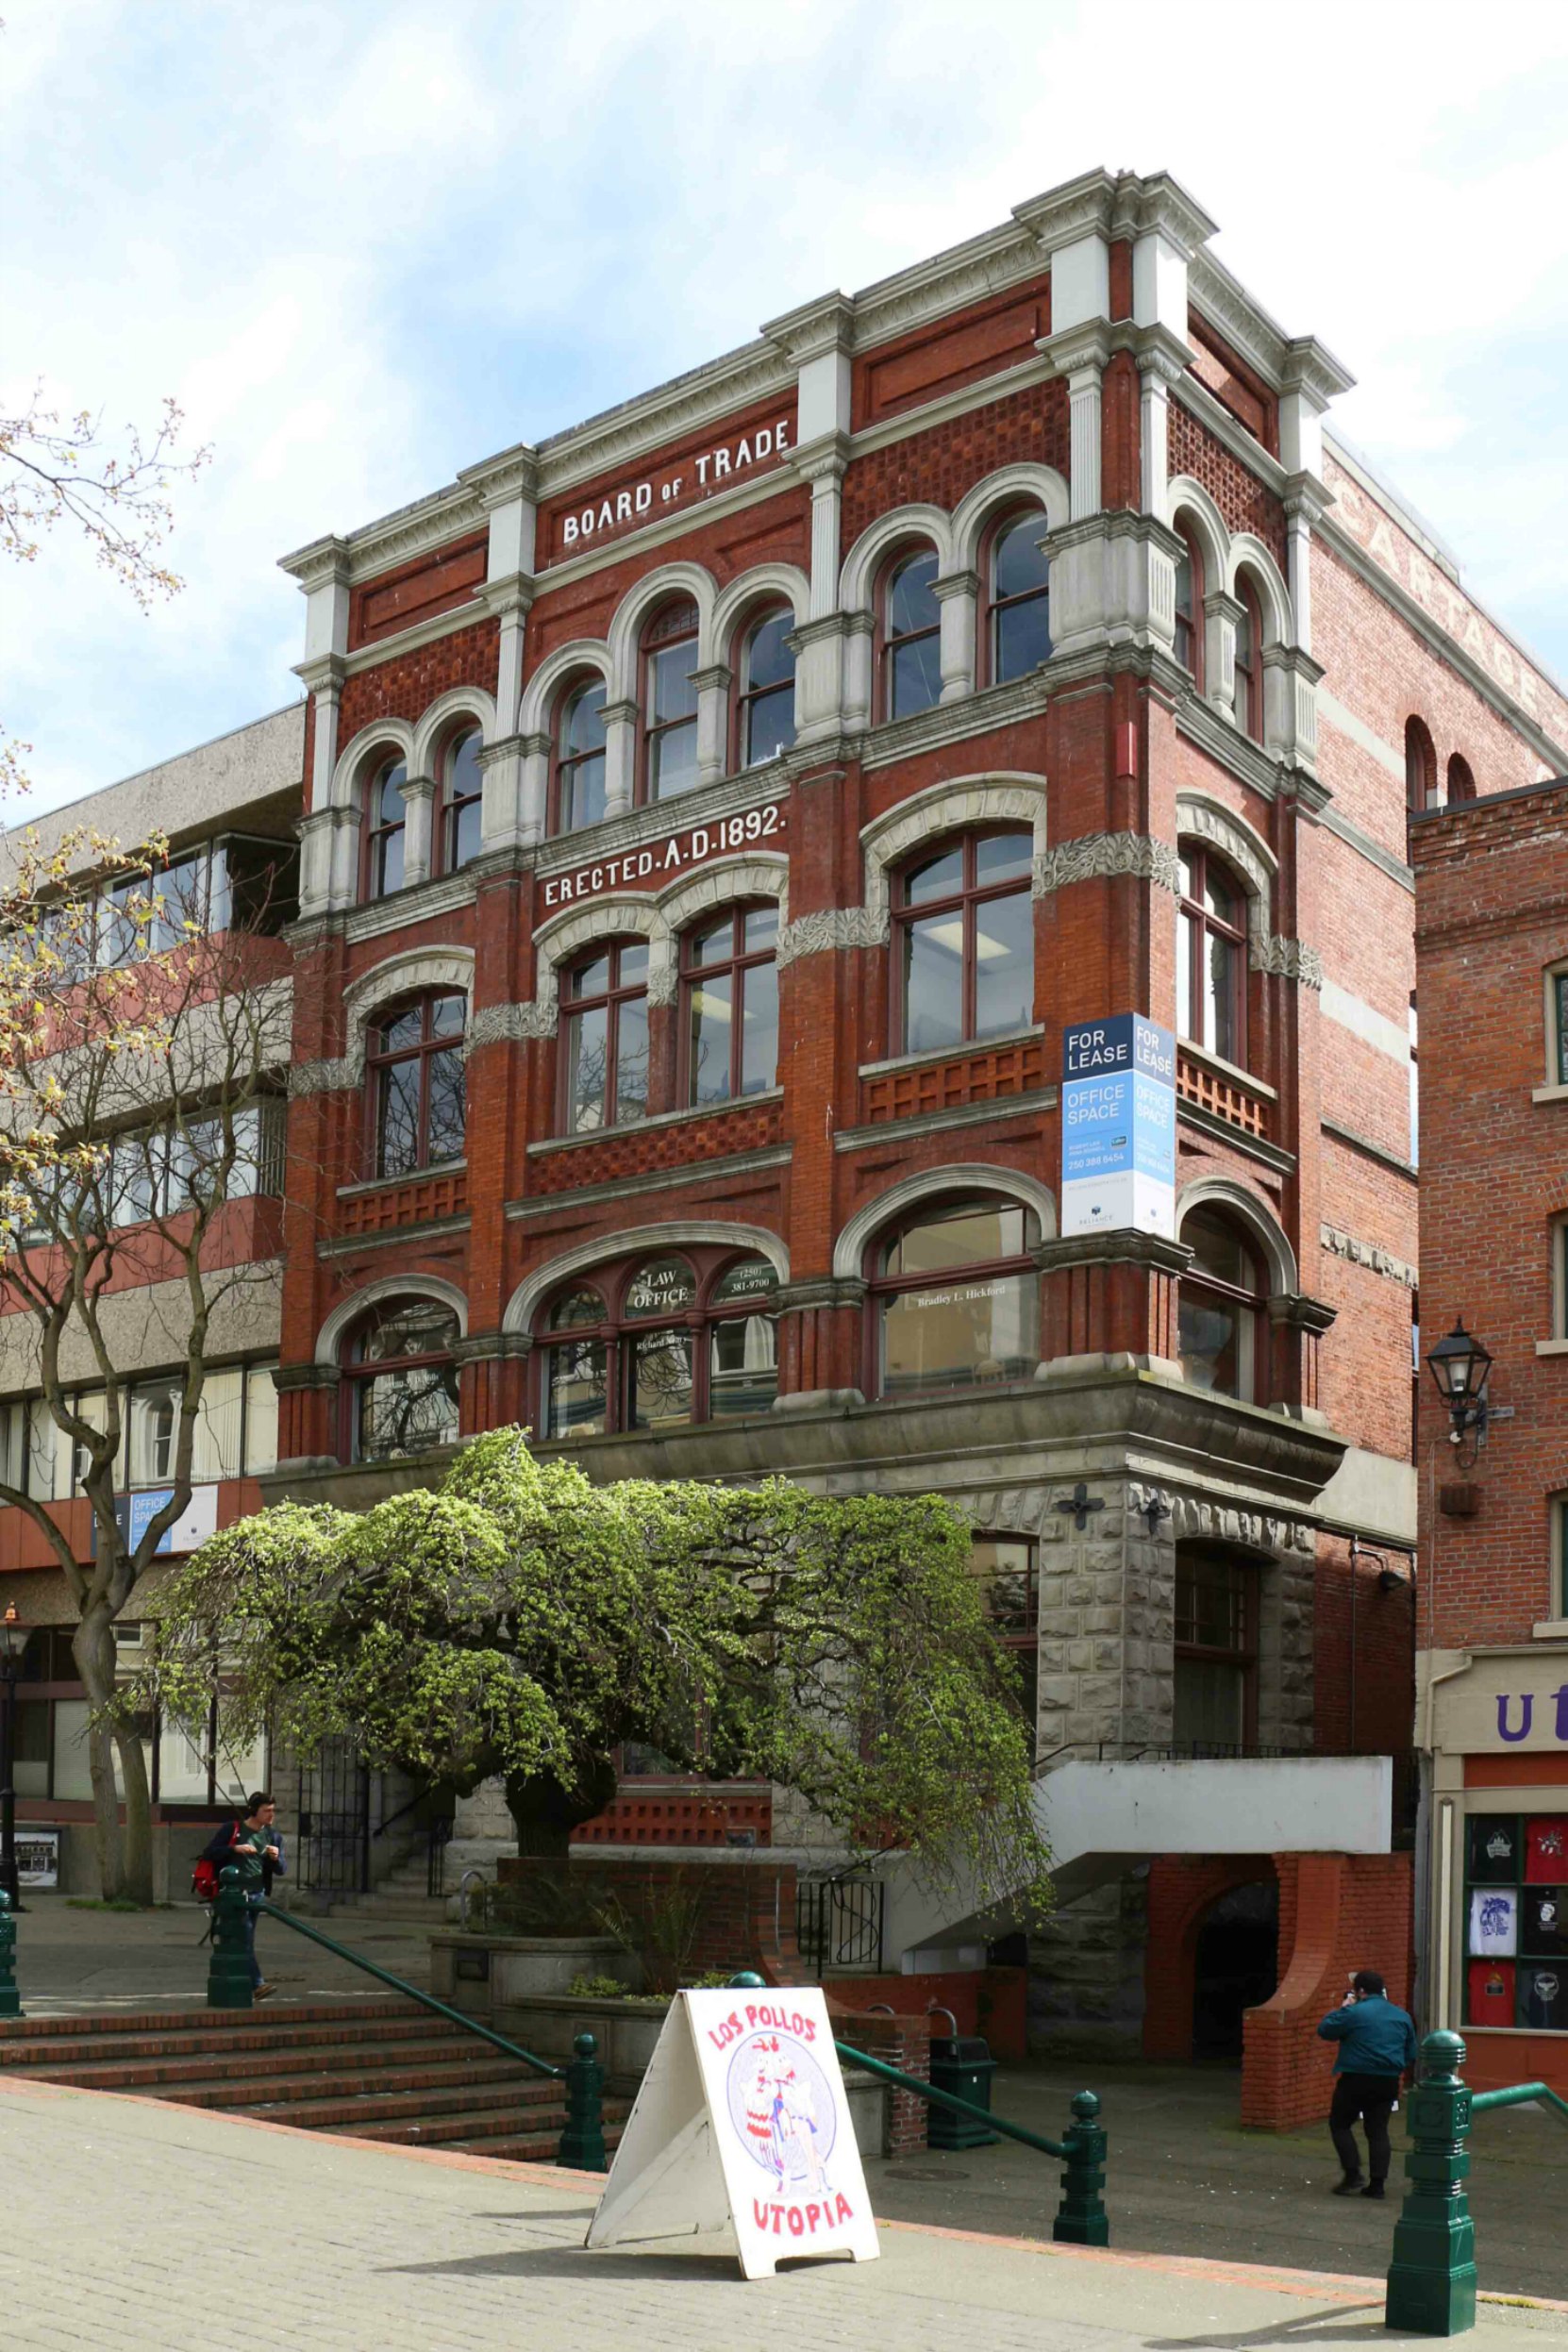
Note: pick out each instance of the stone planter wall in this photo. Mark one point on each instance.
(483, 1973)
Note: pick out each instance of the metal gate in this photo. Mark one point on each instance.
(333, 1850)
(839, 1920)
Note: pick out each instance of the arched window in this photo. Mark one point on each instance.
(650, 1341)
(1249, 660)
(461, 801)
(385, 817)
(579, 793)
(400, 1380)
(730, 989)
(1461, 784)
(1221, 1300)
(766, 705)
(963, 940)
(1216, 1650)
(669, 702)
(1212, 955)
(955, 1296)
(1018, 598)
(415, 1063)
(912, 635)
(1189, 605)
(605, 1066)
(1420, 767)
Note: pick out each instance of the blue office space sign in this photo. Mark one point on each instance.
(1126, 1041)
(1118, 1125)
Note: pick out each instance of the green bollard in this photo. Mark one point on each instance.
(1081, 2218)
(1432, 2276)
(11, 2000)
(228, 1983)
(582, 2142)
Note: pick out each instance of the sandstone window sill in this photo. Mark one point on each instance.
(1231, 1071)
(953, 1053)
(1551, 1347)
(395, 1183)
(1549, 1094)
(1550, 1629)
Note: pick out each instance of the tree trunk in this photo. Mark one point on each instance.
(93, 1647)
(545, 1815)
(136, 1865)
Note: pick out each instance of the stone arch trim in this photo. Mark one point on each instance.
(932, 524)
(557, 942)
(767, 583)
(1224, 1192)
(1009, 486)
(1186, 499)
(446, 968)
(331, 1338)
(1248, 554)
(584, 654)
(850, 1248)
(378, 735)
(676, 1233)
(657, 588)
(458, 702)
(1199, 816)
(958, 804)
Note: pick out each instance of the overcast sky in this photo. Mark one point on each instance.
(363, 243)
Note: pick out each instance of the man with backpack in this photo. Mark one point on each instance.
(256, 1850)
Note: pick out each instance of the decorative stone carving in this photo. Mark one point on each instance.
(1094, 855)
(1286, 958)
(832, 927)
(1369, 1254)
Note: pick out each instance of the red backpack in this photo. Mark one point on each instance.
(204, 1879)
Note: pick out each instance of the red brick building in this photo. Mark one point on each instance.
(713, 815)
(1491, 959)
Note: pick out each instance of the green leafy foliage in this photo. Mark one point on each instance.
(519, 1621)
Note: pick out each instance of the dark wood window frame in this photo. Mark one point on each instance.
(881, 1286)
(677, 622)
(612, 998)
(747, 697)
(376, 836)
(451, 807)
(618, 1331)
(993, 605)
(358, 1375)
(1243, 1653)
(887, 645)
(737, 963)
(1421, 770)
(1190, 655)
(564, 765)
(1200, 923)
(380, 1059)
(964, 901)
(1252, 669)
(1253, 1302)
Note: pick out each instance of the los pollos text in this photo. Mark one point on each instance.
(771, 2016)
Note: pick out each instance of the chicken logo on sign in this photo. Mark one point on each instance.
(784, 2110)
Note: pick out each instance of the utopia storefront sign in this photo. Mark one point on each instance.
(661, 861)
(1533, 1717)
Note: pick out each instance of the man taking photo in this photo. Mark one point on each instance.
(1376, 2043)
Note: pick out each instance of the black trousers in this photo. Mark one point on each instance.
(1372, 2098)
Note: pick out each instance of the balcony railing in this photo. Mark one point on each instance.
(1225, 1095)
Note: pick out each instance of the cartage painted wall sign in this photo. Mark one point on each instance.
(741, 2139)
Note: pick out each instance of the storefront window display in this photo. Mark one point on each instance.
(1516, 1920)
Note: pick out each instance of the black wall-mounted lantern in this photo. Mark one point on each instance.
(1461, 1366)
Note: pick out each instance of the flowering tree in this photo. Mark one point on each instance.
(142, 1030)
(519, 1621)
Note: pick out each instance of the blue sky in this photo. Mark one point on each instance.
(364, 245)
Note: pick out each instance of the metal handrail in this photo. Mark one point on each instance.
(412, 1992)
(1516, 2095)
(950, 2099)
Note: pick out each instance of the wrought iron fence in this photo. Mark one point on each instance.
(839, 1920)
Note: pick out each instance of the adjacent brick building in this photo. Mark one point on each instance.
(714, 813)
(1492, 957)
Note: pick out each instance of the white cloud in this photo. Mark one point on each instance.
(368, 243)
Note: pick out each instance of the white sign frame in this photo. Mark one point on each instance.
(741, 2139)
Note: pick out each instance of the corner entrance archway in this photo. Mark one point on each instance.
(1235, 1966)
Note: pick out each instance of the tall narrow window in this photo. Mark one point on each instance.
(606, 1061)
(1461, 784)
(385, 817)
(414, 1059)
(955, 1297)
(669, 702)
(1189, 605)
(767, 702)
(402, 1384)
(462, 802)
(1557, 1062)
(731, 991)
(1416, 1083)
(1249, 661)
(1211, 956)
(1220, 1303)
(1007, 1567)
(963, 942)
(1420, 767)
(1215, 1651)
(911, 637)
(580, 756)
(1020, 598)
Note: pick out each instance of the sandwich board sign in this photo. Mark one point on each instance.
(741, 2138)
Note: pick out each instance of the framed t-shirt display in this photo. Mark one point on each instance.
(1516, 1920)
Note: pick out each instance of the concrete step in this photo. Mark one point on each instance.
(469, 2127)
(110, 2048)
(357, 2110)
(284, 2087)
(201, 2019)
(370, 2060)
(523, 2147)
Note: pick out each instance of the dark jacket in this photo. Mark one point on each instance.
(220, 1849)
(1375, 2035)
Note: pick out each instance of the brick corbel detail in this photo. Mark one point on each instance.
(819, 1340)
(491, 1380)
(307, 1413)
(1299, 1322)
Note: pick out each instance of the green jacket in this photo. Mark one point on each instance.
(1375, 2035)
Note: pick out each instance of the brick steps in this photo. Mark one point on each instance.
(377, 2070)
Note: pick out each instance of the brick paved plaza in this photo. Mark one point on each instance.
(410, 2252)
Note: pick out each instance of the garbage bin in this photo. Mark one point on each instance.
(962, 2065)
